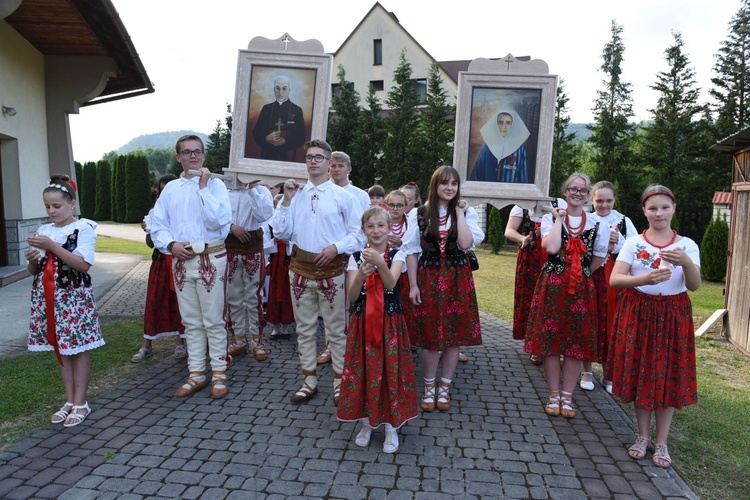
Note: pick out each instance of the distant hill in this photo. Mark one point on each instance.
(167, 139)
(580, 130)
(158, 140)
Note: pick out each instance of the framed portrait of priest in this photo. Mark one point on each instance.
(504, 132)
(281, 101)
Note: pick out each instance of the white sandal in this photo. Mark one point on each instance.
(142, 355)
(78, 418)
(390, 445)
(61, 415)
(363, 436)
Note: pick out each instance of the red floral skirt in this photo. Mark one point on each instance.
(279, 305)
(448, 315)
(529, 263)
(406, 305)
(562, 322)
(162, 314)
(653, 351)
(378, 382)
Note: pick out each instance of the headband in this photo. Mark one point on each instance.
(656, 193)
(58, 186)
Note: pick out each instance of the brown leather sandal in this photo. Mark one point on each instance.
(428, 401)
(444, 397)
(191, 386)
(552, 407)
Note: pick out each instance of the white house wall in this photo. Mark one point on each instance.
(25, 161)
(356, 55)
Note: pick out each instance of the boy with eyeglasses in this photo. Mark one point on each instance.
(341, 166)
(191, 221)
(322, 222)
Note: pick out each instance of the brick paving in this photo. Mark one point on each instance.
(496, 442)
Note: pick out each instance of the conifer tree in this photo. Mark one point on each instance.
(137, 188)
(118, 189)
(564, 157)
(612, 133)
(714, 246)
(78, 168)
(103, 209)
(343, 120)
(366, 149)
(87, 190)
(732, 83)
(436, 128)
(675, 152)
(400, 164)
(219, 144)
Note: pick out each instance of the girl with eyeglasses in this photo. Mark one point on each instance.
(653, 349)
(524, 228)
(562, 321)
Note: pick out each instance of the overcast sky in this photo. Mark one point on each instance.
(189, 49)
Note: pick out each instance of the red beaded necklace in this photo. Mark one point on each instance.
(574, 232)
(398, 229)
(674, 238)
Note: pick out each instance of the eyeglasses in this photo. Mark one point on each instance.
(396, 206)
(315, 158)
(583, 192)
(188, 153)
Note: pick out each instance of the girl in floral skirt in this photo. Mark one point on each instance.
(603, 196)
(63, 312)
(377, 384)
(653, 349)
(562, 321)
(441, 284)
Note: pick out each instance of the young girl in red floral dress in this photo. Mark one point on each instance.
(441, 284)
(603, 197)
(653, 352)
(63, 310)
(377, 384)
(562, 321)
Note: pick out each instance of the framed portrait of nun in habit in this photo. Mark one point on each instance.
(504, 131)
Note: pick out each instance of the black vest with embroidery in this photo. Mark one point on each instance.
(556, 262)
(391, 298)
(67, 277)
(454, 256)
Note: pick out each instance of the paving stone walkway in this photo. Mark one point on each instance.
(496, 442)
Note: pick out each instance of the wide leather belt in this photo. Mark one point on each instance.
(255, 245)
(303, 264)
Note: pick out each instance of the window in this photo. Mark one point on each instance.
(336, 90)
(378, 84)
(420, 87)
(377, 52)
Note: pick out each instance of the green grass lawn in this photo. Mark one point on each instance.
(708, 442)
(107, 244)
